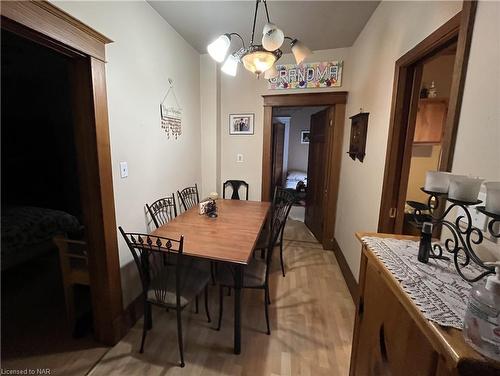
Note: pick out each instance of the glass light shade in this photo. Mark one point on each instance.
(300, 51)
(258, 61)
(273, 39)
(230, 66)
(271, 73)
(218, 48)
(268, 27)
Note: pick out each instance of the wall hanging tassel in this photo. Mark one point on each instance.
(171, 117)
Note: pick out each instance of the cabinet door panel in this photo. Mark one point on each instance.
(389, 343)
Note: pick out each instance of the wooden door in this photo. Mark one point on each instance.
(278, 145)
(315, 197)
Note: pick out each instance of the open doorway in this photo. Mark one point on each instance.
(430, 124)
(415, 116)
(81, 50)
(292, 127)
(45, 311)
(314, 176)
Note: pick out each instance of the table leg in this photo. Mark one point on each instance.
(238, 284)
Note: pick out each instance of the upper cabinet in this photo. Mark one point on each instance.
(431, 118)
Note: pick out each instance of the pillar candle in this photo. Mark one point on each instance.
(437, 181)
(464, 188)
(493, 197)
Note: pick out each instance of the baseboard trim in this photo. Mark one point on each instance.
(351, 282)
(130, 315)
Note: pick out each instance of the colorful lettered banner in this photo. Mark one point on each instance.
(306, 76)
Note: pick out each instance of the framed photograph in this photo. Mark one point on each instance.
(241, 123)
(304, 136)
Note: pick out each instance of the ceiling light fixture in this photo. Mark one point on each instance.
(257, 58)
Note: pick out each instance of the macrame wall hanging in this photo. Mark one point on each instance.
(171, 116)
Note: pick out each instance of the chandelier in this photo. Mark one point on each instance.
(256, 58)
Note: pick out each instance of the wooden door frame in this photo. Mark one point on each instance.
(335, 99)
(458, 28)
(44, 23)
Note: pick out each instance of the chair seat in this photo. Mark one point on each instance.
(192, 278)
(255, 274)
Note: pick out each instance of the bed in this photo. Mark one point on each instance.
(296, 179)
(296, 183)
(27, 231)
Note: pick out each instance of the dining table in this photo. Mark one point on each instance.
(229, 238)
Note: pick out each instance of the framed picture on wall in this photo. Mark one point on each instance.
(241, 123)
(305, 136)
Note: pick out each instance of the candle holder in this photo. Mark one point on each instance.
(463, 238)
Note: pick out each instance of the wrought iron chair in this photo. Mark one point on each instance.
(235, 185)
(189, 197)
(162, 210)
(256, 275)
(279, 195)
(166, 284)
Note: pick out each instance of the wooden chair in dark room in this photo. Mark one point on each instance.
(235, 186)
(171, 285)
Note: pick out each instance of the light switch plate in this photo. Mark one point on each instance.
(239, 158)
(123, 169)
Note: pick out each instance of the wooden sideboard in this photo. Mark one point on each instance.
(392, 337)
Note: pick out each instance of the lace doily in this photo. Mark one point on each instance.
(435, 288)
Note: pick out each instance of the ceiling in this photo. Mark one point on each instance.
(319, 24)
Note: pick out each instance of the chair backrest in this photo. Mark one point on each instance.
(152, 256)
(235, 185)
(282, 203)
(162, 210)
(189, 197)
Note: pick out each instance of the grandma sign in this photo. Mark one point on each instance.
(305, 76)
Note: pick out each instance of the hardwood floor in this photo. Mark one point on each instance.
(312, 317)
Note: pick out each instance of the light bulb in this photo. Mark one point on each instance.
(273, 39)
(218, 48)
(230, 66)
(300, 51)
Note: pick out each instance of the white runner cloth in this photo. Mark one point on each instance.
(435, 287)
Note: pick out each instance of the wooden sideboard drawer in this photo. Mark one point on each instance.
(392, 337)
(389, 341)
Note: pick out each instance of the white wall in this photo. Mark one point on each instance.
(209, 122)
(146, 51)
(477, 150)
(242, 94)
(298, 153)
(393, 29)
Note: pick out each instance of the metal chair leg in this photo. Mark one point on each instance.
(281, 259)
(144, 327)
(148, 316)
(213, 272)
(221, 303)
(196, 310)
(206, 304)
(179, 335)
(266, 308)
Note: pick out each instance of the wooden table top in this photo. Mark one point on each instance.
(447, 340)
(230, 237)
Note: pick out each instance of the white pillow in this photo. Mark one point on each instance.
(297, 175)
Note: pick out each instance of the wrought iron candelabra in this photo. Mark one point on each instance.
(464, 237)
